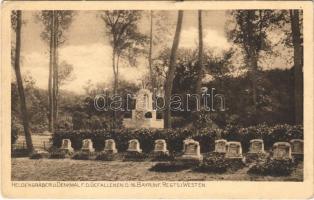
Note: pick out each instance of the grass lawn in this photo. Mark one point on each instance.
(25, 169)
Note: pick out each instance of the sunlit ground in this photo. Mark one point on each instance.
(25, 169)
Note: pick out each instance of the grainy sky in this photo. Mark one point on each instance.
(88, 50)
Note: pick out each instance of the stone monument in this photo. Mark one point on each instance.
(296, 146)
(87, 146)
(282, 150)
(191, 150)
(66, 146)
(256, 146)
(234, 150)
(110, 146)
(160, 146)
(134, 146)
(143, 116)
(220, 146)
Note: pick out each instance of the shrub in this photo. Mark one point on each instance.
(107, 156)
(135, 156)
(255, 157)
(59, 154)
(235, 164)
(273, 167)
(82, 155)
(169, 167)
(160, 156)
(213, 162)
(39, 154)
(14, 133)
(174, 137)
(16, 153)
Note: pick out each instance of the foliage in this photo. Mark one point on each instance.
(65, 73)
(63, 19)
(123, 27)
(15, 153)
(107, 156)
(15, 130)
(161, 156)
(255, 157)
(273, 167)
(169, 167)
(57, 155)
(218, 163)
(174, 137)
(82, 155)
(135, 156)
(213, 162)
(38, 154)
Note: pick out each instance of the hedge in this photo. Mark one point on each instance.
(174, 137)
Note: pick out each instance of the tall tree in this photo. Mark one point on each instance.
(290, 23)
(200, 72)
(151, 71)
(250, 33)
(171, 71)
(125, 39)
(55, 23)
(51, 71)
(19, 81)
(297, 42)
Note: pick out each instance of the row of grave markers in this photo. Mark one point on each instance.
(191, 148)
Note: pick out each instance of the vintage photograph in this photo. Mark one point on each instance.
(157, 95)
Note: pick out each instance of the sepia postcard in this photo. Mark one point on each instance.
(147, 99)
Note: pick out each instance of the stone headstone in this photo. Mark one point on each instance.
(134, 146)
(220, 146)
(87, 146)
(234, 150)
(256, 146)
(160, 146)
(296, 146)
(110, 146)
(191, 150)
(282, 150)
(66, 145)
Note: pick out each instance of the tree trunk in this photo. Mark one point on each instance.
(171, 71)
(114, 84)
(252, 56)
(50, 79)
(55, 70)
(19, 81)
(298, 65)
(152, 78)
(200, 72)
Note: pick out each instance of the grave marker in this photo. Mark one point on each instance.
(296, 146)
(160, 146)
(66, 145)
(191, 150)
(282, 150)
(87, 146)
(134, 146)
(110, 146)
(256, 146)
(220, 146)
(234, 150)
